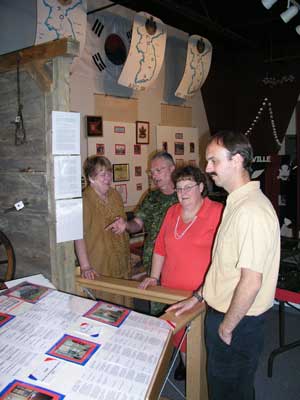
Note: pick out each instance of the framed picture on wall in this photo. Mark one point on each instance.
(120, 172)
(119, 129)
(122, 190)
(120, 149)
(142, 132)
(139, 186)
(192, 147)
(94, 125)
(179, 148)
(100, 149)
(179, 135)
(137, 171)
(137, 149)
(165, 146)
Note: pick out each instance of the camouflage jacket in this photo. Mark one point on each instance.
(152, 211)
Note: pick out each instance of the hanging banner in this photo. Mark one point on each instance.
(146, 53)
(197, 66)
(61, 18)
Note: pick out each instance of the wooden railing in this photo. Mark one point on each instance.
(196, 386)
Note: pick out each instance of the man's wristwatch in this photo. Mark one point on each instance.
(198, 296)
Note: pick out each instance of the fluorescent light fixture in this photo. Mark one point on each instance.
(288, 14)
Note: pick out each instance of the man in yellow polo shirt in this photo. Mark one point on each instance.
(240, 285)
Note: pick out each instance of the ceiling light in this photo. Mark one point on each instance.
(288, 14)
(268, 3)
(298, 29)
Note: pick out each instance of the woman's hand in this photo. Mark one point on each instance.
(88, 273)
(149, 281)
(183, 306)
(117, 227)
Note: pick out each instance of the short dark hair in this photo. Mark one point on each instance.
(93, 164)
(162, 154)
(235, 143)
(192, 173)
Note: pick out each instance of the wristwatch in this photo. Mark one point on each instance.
(198, 296)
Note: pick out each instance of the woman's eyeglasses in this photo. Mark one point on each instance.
(186, 189)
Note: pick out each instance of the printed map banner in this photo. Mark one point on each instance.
(197, 66)
(146, 53)
(57, 19)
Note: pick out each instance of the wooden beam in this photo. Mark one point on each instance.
(41, 52)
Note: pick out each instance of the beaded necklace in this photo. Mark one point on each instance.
(180, 235)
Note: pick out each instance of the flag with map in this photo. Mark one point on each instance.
(146, 53)
(61, 18)
(198, 60)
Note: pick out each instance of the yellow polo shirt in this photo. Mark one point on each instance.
(248, 237)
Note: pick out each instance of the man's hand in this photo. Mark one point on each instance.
(89, 273)
(183, 306)
(149, 281)
(117, 227)
(225, 334)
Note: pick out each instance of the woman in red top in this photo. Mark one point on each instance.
(183, 247)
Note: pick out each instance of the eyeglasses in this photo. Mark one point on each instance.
(186, 189)
(156, 171)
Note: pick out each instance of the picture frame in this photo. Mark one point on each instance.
(100, 149)
(139, 187)
(107, 313)
(192, 147)
(165, 146)
(119, 129)
(137, 170)
(179, 163)
(4, 318)
(137, 149)
(31, 391)
(120, 149)
(94, 125)
(120, 172)
(122, 190)
(179, 148)
(73, 349)
(142, 132)
(179, 135)
(28, 292)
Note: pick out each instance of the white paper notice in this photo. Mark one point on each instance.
(65, 132)
(69, 224)
(67, 177)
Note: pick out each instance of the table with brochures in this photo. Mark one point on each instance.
(54, 345)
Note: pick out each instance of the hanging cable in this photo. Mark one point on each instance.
(20, 133)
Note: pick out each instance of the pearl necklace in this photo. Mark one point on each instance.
(180, 235)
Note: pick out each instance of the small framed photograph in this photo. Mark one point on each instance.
(137, 149)
(120, 172)
(21, 390)
(192, 147)
(28, 292)
(137, 171)
(100, 147)
(179, 148)
(73, 349)
(119, 129)
(120, 149)
(139, 187)
(142, 132)
(122, 190)
(165, 146)
(179, 135)
(108, 313)
(4, 318)
(179, 163)
(94, 125)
